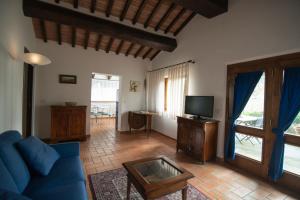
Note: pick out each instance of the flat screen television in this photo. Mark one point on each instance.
(200, 106)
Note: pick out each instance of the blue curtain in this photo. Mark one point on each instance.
(243, 88)
(288, 110)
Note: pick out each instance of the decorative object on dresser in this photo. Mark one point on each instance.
(197, 137)
(68, 123)
(139, 119)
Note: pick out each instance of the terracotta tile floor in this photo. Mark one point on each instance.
(107, 149)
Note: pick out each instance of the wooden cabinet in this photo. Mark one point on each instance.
(197, 138)
(68, 123)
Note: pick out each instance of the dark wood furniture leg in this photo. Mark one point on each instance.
(128, 188)
(184, 193)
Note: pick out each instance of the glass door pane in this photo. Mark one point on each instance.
(249, 146)
(253, 113)
(291, 160)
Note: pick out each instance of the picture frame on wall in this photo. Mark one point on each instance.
(67, 79)
(134, 86)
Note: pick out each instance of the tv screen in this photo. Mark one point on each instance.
(199, 105)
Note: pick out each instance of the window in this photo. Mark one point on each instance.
(166, 94)
(249, 146)
(294, 129)
(246, 144)
(253, 113)
(291, 160)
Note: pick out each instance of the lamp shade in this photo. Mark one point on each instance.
(36, 59)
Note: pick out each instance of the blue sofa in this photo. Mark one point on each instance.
(66, 179)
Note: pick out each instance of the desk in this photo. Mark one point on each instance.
(139, 119)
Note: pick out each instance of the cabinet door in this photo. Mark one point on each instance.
(77, 122)
(183, 135)
(197, 141)
(60, 123)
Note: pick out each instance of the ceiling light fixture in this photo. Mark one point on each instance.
(36, 59)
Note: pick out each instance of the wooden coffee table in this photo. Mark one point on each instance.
(156, 177)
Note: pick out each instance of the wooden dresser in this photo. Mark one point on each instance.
(68, 123)
(197, 138)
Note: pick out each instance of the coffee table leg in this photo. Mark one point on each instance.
(128, 188)
(184, 193)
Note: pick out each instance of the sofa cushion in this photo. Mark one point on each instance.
(72, 191)
(7, 182)
(13, 160)
(64, 171)
(39, 155)
(9, 195)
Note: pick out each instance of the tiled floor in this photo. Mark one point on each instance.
(107, 149)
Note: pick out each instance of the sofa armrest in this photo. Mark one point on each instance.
(5, 194)
(67, 149)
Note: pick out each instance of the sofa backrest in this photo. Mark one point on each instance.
(7, 182)
(12, 160)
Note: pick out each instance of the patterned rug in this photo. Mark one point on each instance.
(112, 185)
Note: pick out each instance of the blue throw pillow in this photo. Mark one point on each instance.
(38, 155)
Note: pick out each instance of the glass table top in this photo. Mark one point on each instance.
(156, 170)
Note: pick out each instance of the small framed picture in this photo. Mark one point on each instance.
(67, 79)
(134, 86)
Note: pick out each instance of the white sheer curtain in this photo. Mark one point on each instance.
(155, 91)
(178, 79)
(176, 91)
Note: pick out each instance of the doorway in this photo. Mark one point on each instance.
(28, 74)
(104, 102)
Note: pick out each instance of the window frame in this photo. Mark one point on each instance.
(273, 67)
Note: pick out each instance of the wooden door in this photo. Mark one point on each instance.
(60, 123)
(183, 135)
(261, 134)
(76, 122)
(197, 141)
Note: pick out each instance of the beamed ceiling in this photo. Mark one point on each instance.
(53, 21)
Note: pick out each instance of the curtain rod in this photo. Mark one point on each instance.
(189, 61)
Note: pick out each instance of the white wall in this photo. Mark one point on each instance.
(80, 62)
(250, 29)
(15, 33)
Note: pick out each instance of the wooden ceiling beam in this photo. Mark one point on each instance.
(109, 7)
(99, 39)
(120, 47)
(139, 51)
(152, 13)
(73, 36)
(139, 11)
(58, 33)
(192, 15)
(165, 16)
(178, 16)
(43, 30)
(129, 49)
(125, 9)
(86, 39)
(111, 40)
(75, 3)
(207, 8)
(157, 52)
(93, 6)
(62, 15)
(147, 53)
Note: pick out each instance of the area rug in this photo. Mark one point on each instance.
(112, 185)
